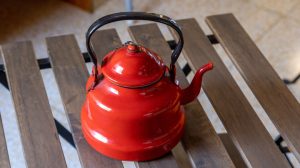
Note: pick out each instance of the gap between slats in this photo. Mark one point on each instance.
(145, 35)
(14, 144)
(261, 113)
(33, 111)
(11, 129)
(60, 115)
(248, 94)
(209, 53)
(71, 75)
(274, 96)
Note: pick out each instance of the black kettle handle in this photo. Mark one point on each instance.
(135, 16)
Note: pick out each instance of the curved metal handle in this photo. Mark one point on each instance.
(135, 16)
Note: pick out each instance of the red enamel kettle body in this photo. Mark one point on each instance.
(133, 108)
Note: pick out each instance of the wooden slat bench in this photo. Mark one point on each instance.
(247, 144)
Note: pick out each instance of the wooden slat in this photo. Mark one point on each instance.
(181, 156)
(240, 120)
(167, 161)
(38, 133)
(105, 41)
(71, 75)
(271, 92)
(4, 161)
(200, 140)
(232, 151)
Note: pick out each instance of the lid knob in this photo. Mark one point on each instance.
(133, 66)
(132, 47)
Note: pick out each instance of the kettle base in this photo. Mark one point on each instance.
(152, 152)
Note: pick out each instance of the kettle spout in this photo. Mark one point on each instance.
(191, 92)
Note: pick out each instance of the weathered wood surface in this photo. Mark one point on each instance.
(274, 96)
(200, 139)
(105, 41)
(4, 160)
(40, 140)
(232, 151)
(71, 75)
(167, 161)
(240, 120)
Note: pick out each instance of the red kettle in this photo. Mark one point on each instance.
(133, 107)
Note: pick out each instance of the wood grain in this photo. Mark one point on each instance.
(4, 160)
(240, 120)
(200, 139)
(232, 151)
(274, 96)
(40, 140)
(105, 41)
(71, 75)
(167, 161)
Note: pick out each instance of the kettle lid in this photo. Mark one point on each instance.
(132, 66)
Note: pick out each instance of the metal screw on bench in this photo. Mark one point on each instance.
(133, 104)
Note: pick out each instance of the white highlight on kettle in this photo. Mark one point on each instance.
(99, 136)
